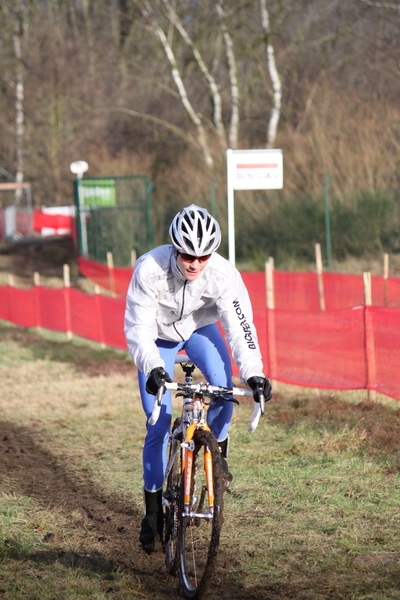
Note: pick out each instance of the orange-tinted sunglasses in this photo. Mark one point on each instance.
(189, 258)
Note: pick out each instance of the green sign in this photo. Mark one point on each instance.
(97, 192)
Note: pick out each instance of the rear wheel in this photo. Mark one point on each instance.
(199, 527)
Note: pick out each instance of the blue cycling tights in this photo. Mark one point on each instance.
(207, 349)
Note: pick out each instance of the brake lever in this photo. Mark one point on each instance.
(157, 406)
(258, 411)
(261, 400)
(230, 399)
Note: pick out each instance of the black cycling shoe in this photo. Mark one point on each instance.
(152, 525)
(150, 533)
(226, 472)
(228, 477)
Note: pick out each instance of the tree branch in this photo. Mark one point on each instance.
(146, 117)
(382, 4)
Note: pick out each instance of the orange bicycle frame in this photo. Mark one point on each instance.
(187, 467)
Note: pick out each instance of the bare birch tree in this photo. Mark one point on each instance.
(274, 76)
(233, 78)
(18, 30)
(19, 104)
(210, 80)
(159, 33)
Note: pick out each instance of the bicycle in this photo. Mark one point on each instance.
(194, 481)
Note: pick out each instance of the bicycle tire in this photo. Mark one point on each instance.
(170, 505)
(198, 538)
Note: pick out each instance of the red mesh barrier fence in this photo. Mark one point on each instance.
(296, 291)
(319, 349)
(299, 291)
(50, 308)
(112, 319)
(353, 348)
(292, 290)
(116, 279)
(255, 283)
(96, 272)
(85, 320)
(342, 290)
(5, 312)
(260, 317)
(391, 292)
(385, 333)
(19, 306)
(122, 280)
(93, 317)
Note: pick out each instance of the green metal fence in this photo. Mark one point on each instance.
(114, 215)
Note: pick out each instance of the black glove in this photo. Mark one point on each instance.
(157, 378)
(260, 383)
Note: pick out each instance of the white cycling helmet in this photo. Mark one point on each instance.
(194, 231)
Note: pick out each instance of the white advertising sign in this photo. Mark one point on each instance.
(250, 170)
(255, 169)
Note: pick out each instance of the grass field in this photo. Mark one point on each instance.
(314, 511)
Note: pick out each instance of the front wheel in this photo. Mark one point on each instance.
(199, 524)
(171, 499)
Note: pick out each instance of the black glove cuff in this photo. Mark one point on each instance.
(157, 378)
(257, 384)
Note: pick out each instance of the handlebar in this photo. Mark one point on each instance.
(209, 390)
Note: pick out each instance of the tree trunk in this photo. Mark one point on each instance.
(275, 80)
(19, 103)
(215, 93)
(234, 124)
(183, 95)
(160, 34)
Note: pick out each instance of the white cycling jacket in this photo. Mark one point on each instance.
(161, 303)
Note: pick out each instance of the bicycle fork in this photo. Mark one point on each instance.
(187, 471)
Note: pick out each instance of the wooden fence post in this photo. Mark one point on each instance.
(67, 286)
(320, 276)
(269, 278)
(10, 282)
(98, 310)
(271, 340)
(36, 283)
(369, 338)
(385, 277)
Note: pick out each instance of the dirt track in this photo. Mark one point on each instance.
(101, 526)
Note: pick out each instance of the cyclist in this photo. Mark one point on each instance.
(177, 294)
